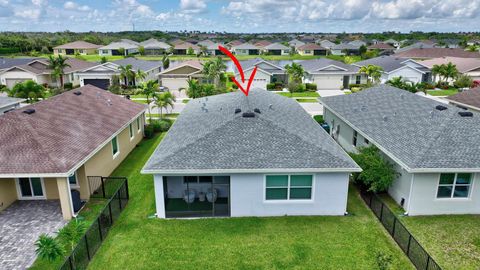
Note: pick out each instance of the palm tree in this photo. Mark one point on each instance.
(58, 65)
(451, 71)
(437, 70)
(295, 72)
(72, 233)
(48, 248)
(148, 89)
(163, 101)
(140, 75)
(29, 90)
(194, 88)
(126, 73)
(373, 72)
(213, 70)
(165, 61)
(397, 82)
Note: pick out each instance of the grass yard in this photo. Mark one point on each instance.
(299, 94)
(441, 93)
(166, 115)
(139, 242)
(452, 240)
(142, 101)
(307, 100)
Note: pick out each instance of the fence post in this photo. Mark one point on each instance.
(70, 262)
(119, 198)
(408, 246)
(428, 260)
(110, 211)
(371, 199)
(126, 188)
(100, 227)
(393, 227)
(381, 212)
(86, 245)
(103, 188)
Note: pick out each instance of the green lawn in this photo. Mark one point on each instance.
(447, 92)
(299, 94)
(167, 115)
(452, 240)
(307, 100)
(139, 242)
(142, 101)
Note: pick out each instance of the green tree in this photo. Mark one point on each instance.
(165, 61)
(295, 72)
(139, 75)
(450, 71)
(463, 81)
(203, 50)
(378, 174)
(71, 233)
(48, 248)
(193, 89)
(148, 89)
(121, 51)
(472, 48)
(214, 69)
(58, 66)
(373, 72)
(437, 70)
(362, 49)
(397, 82)
(126, 73)
(141, 50)
(163, 101)
(29, 90)
(103, 60)
(190, 51)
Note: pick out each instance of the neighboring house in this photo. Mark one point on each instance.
(408, 69)
(416, 45)
(38, 71)
(382, 48)
(49, 149)
(326, 44)
(260, 155)
(427, 53)
(357, 43)
(392, 42)
(295, 43)
(345, 49)
(469, 99)
(101, 75)
(154, 47)
(262, 43)
(234, 43)
(467, 66)
(205, 43)
(113, 48)
(245, 49)
(276, 49)
(329, 74)
(76, 47)
(212, 49)
(433, 146)
(8, 104)
(183, 48)
(6, 63)
(267, 72)
(176, 77)
(311, 49)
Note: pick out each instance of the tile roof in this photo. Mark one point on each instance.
(282, 137)
(411, 129)
(137, 64)
(312, 66)
(470, 97)
(273, 67)
(437, 52)
(80, 44)
(62, 132)
(463, 64)
(194, 63)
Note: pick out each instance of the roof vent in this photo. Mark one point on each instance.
(29, 111)
(385, 118)
(257, 110)
(270, 106)
(248, 114)
(364, 108)
(77, 93)
(237, 110)
(440, 107)
(465, 114)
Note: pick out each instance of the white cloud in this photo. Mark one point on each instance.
(69, 5)
(28, 13)
(193, 6)
(39, 2)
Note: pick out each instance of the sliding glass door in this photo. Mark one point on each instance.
(31, 188)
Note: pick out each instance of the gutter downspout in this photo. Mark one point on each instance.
(410, 194)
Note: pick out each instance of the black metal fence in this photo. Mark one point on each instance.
(412, 248)
(96, 233)
(104, 187)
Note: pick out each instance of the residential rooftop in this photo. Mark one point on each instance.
(62, 131)
(388, 63)
(6, 63)
(422, 134)
(437, 52)
(463, 64)
(80, 44)
(469, 98)
(321, 65)
(223, 133)
(138, 64)
(8, 101)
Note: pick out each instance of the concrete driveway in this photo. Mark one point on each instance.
(329, 93)
(20, 226)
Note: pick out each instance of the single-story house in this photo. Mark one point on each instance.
(100, 75)
(38, 71)
(77, 47)
(267, 72)
(182, 48)
(382, 48)
(326, 44)
(154, 47)
(467, 66)
(408, 69)
(357, 43)
(392, 42)
(245, 49)
(262, 43)
(416, 45)
(130, 47)
(234, 43)
(295, 43)
(8, 104)
(176, 77)
(260, 155)
(212, 49)
(433, 146)
(49, 149)
(205, 43)
(469, 99)
(311, 49)
(329, 74)
(427, 53)
(6, 63)
(276, 49)
(345, 49)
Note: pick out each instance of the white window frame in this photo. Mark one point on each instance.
(130, 132)
(288, 200)
(26, 198)
(115, 155)
(138, 125)
(76, 185)
(472, 180)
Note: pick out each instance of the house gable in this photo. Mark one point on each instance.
(182, 70)
(331, 68)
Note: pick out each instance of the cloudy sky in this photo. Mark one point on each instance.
(241, 15)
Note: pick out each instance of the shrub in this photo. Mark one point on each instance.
(148, 130)
(377, 174)
(3, 88)
(354, 85)
(234, 86)
(301, 88)
(475, 83)
(311, 86)
(319, 119)
(161, 125)
(116, 89)
(463, 81)
(270, 86)
(68, 85)
(429, 86)
(443, 85)
(383, 260)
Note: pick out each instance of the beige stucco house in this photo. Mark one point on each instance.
(77, 47)
(48, 149)
(177, 77)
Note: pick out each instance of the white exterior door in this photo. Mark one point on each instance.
(326, 82)
(174, 83)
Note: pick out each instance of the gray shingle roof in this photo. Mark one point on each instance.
(7, 101)
(414, 132)
(388, 63)
(283, 137)
(143, 65)
(312, 66)
(10, 62)
(246, 64)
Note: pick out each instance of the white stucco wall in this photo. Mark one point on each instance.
(407, 73)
